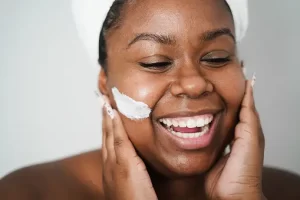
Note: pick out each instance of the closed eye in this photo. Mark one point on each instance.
(156, 65)
(217, 60)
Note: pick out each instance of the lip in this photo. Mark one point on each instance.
(192, 143)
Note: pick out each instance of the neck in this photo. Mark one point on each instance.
(178, 188)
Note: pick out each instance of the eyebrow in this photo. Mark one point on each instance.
(162, 39)
(170, 40)
(211, 35)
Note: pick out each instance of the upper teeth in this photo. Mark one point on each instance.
(190, 122)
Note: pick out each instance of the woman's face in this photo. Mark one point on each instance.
(178, 57)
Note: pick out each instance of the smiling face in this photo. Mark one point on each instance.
(178, 57)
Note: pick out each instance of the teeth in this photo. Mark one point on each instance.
(175, 123)
(206, 120)
(191, 135)
(169, 123)
(190, 122)
(182, 124)
(200, 122)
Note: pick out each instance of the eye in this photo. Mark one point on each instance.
(216, 59)
(156, 65)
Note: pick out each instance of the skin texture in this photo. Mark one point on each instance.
(137, 159)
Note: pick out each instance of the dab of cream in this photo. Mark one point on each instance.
(227, 150)
(130, 108)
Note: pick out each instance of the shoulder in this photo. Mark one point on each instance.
(281, 184)
(77, 177)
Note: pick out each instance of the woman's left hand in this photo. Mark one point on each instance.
(238, 175)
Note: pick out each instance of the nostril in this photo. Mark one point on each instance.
(192, 86)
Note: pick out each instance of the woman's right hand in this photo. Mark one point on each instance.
(125, 176)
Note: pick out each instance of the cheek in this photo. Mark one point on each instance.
(231, 87)
(142, 87)
(138, 85)
(140, 133)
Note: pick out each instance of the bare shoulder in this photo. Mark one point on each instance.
(80, 177)
(281, 184)
(76, 178)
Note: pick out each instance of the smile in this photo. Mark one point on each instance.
(190, 131)
(188, 127)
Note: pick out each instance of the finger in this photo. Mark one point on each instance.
(247, 113)
(109, 142)
(248, 110)
(248, 138)
(249, 124)
(123, 146)
(104, 150)
(249, 118)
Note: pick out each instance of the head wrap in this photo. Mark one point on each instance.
(89, 16)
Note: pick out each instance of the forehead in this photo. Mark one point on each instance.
(175, 16)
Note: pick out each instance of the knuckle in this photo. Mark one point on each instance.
(106, 176)
(118, 142)
(121, 173)
(245, 130)
(141, 166)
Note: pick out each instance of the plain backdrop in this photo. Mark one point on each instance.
(48, 109)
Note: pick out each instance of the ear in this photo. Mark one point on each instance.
(102, 82)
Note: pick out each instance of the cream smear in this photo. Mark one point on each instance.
(130, 108)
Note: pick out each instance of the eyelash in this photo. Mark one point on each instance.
(217, 60)
(156, 65)
(160, 65)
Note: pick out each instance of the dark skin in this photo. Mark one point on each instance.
(189, 83)
(80, 178)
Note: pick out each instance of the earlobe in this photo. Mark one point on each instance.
(102, 82)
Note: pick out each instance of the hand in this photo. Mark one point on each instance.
(238, 175)
(125, 176)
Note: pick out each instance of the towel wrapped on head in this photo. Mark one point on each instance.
(89, 16)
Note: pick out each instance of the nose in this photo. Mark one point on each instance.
(191, 83)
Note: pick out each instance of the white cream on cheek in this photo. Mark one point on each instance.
(130, 108)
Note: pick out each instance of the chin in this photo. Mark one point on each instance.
(182, 166)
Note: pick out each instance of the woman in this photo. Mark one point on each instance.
(174, 97)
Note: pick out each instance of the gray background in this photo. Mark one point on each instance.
(48, 109)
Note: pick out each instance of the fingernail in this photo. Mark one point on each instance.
(104, 102)
(253, 79)
(99, 96)
(107, 107)
(245, 71)
(109, 110)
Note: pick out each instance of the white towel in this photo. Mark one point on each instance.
(90, 14)
(239, 10)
